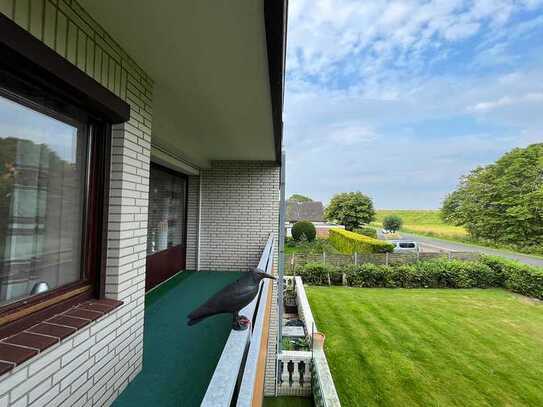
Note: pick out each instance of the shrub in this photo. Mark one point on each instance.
(518, 277)
(370, 275)
(367, 231)
(304, 229)
(489, 271)
(439, 273)
(349, 242)
(392, 223)
(318, 273)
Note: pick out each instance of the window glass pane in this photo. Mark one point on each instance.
(166, 223)
(42, 169)
(407, 245)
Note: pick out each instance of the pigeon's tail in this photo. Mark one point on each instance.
(194, 321)
(197, 316)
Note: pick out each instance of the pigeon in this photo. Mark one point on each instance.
(231, 299)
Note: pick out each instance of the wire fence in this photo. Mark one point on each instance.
(295, 260)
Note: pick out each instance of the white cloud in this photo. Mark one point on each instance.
(375, 38)
(360, 90)
(349, 135)
(506, 101)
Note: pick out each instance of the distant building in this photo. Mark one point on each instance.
(312, 211)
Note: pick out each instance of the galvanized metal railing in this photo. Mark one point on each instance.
(233, 382)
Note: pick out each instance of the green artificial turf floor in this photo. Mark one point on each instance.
(178, 360)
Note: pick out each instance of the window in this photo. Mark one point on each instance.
(43, 161)
(167, 200)
(55, 148)
(407, 245)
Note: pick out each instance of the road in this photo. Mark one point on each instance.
(445, 245)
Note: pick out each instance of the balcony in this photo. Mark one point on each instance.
(207, 363)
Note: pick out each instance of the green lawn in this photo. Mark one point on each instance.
(410, 347)
(317, 246)
(287, 402)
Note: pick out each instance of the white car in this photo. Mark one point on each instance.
(405, 246)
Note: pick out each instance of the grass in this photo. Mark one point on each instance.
(288, 402)
(317, 246)
(428, 223)
(392, 347)
(425, 222)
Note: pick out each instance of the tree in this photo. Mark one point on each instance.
(502, 202)
(392, 223)
(351, 209)
(300, 198)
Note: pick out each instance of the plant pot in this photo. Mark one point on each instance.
(318, 340)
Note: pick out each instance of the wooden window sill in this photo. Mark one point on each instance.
(23, 345)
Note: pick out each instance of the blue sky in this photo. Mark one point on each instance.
(398, 99)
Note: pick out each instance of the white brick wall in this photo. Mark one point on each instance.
(94, 365)
(270, 375)
(193, 213)
(239, 209)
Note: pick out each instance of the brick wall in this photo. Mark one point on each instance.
(239, 209)
(92, 366)
(193, 214)
(270, 375)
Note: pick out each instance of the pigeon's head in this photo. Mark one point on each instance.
(262, 275)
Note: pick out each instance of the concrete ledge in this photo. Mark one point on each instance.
(324, 390)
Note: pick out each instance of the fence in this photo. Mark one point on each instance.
(294, 260)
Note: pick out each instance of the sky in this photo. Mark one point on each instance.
(24, 123)
(398, 99)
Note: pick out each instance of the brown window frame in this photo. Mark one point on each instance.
(35, 76)
(162, 258)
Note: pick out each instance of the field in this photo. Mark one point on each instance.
(425, 222)
(426, 347)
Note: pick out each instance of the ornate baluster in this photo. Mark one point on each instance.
(290, 368)
(301, 371)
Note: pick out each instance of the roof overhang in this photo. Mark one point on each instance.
(218, 70)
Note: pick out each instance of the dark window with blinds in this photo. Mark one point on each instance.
(167, 210)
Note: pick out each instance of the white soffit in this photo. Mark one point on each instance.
(208, 60)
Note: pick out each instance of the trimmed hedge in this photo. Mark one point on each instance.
(518, 277)
(367, 231)
(349, 242)
(304, 229)
(438, 273)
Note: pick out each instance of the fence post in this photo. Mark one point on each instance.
(386, 259)
(344, 279)
(418, 255)
(449, 255)
(355, 258)
(324, 258)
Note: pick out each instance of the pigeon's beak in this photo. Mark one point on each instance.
(266, 275)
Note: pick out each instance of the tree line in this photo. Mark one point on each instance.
(502, 202)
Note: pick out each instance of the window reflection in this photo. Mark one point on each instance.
(166, 221)
(42, 168)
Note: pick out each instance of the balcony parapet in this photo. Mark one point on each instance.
(233, 381)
